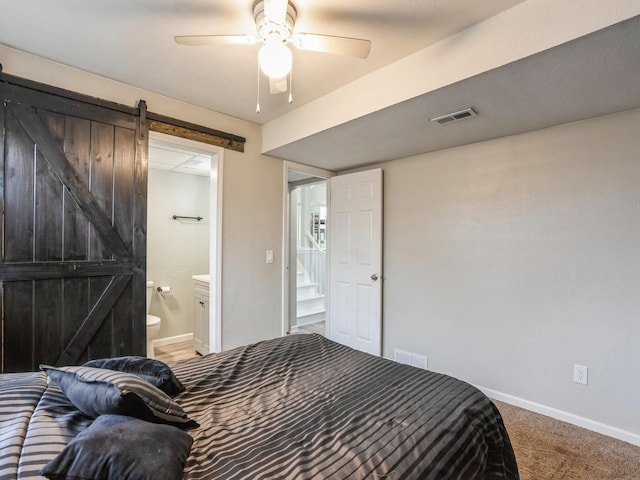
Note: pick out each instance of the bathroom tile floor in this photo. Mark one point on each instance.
(175, 351)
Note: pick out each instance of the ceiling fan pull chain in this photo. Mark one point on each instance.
(291, 86)
(258, 92)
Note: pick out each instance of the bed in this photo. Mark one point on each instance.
(297, 407)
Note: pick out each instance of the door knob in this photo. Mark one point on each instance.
(374, 277)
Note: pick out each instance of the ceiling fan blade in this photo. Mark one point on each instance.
(278, 85)
(196, 40)
(276, 10)
(351, 47)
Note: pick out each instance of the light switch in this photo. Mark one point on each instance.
(269, 256)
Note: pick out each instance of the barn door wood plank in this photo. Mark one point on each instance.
(123, 176)
(76, 108)
(19, 328)
(124, 334)
(77, 147)
(139, 241)
(101, 181)
(49, 198)
(3, 113)
(56, 159)
(47, 214)
(91, 324)
(2, 326)
(20, 271)
(18, 193)
(76, 307)
(100, 345)
(47, 335)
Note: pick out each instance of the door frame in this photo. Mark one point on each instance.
(286, 248)
(215, 233)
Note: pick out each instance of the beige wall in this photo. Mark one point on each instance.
(252, 197)
(507, 261)
(251, 224)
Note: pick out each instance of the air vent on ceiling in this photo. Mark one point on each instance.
(455, 116)
(196, 162)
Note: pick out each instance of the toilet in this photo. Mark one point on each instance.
(153, 322)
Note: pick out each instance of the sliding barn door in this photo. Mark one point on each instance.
(73, 230)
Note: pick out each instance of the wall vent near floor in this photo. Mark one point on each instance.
(409, 358)
(455, 116)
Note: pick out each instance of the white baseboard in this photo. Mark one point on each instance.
(561, 415)
(161, 342)
(614, 432)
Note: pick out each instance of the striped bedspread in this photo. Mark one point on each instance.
(298, 407)
(36, 422)
(303, 407)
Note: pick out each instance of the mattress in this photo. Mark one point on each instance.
(296, 407)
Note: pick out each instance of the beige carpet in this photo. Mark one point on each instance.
(547, 449)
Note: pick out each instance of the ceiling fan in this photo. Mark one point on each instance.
(275, 23)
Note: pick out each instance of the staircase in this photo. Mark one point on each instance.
(310, 305)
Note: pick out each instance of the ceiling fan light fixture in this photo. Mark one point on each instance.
(275, 58)
(276, 10)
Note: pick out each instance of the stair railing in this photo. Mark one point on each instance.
(314, 243)
(314, 262)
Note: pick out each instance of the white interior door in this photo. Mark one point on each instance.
(355, 237)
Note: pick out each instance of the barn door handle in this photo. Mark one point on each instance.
(374, 277)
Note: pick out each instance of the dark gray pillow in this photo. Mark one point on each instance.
(117, 446)
(98, 391)
(153, 371)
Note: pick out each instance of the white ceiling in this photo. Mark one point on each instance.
(132, 42)
(178, 159)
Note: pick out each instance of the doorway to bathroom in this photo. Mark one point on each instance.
(184, 205)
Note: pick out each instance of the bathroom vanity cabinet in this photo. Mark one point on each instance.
(201, 314)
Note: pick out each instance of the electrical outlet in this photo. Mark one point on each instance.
(269, 256)
(581, 374)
